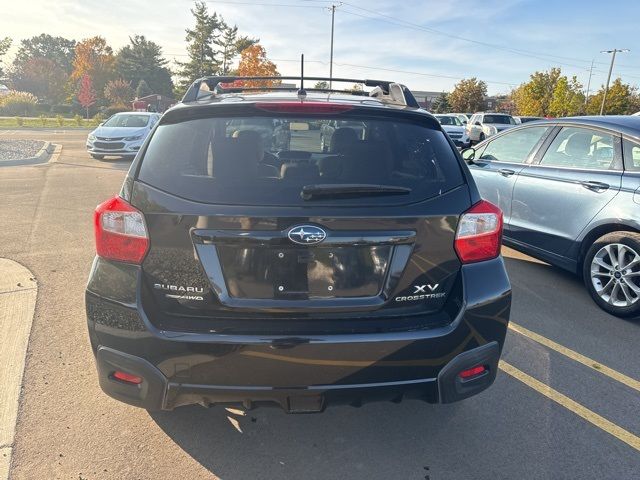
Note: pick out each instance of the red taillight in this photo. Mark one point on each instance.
(311, 108)
(127, 377)
(479, 234)
(472, 372)
(120, 231)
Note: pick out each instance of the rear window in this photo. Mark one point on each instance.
(268, 160)
(500, 119)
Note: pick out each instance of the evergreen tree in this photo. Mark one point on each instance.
(142, 90)
(441, 104)
(142, 60)
(201, 39)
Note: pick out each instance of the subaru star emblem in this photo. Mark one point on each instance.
(307, 234)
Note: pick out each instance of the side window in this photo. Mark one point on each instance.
(514, 146)
(631, 155)
(576, 147)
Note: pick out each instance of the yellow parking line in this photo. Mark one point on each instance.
(609, 372)
(602, 423)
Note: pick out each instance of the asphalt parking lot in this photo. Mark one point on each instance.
(564, 406)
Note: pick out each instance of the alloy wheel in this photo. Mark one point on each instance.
(615, 274)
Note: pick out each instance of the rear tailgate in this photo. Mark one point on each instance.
(236, 247)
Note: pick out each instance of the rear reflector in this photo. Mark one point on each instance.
(309, 108)
(127, 377)
(479, 234)
(472, 372)
(120, 231)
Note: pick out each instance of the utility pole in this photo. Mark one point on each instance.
(586, 97)
(606, 88)
(333, 18)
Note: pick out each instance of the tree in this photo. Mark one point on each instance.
(567, 98)
(42, 77)
(441, 104)
(142, 60)
(231, 45)
(549, 94)
(86, 93)
(59, 50)
(468, 95)
(622, 99)
(254, 63)
(228, 44)
(118, 92)
(5, 44)
(322, 85)
(203, 59)
(245, 42)
(142, 90)
(94, 58)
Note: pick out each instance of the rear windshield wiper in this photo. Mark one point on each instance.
(310, 192)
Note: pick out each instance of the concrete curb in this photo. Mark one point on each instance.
(41, 157)
(18, 291)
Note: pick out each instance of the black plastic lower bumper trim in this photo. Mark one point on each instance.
(156, 393)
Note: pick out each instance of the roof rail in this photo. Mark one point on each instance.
(384, 90)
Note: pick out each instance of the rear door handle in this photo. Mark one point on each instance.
(505, 172)
(595, 186)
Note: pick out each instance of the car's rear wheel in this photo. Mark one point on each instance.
(97, 157)
(611, 273)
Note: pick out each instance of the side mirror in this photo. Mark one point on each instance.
(468, 154)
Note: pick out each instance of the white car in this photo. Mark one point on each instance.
(637, 114)
(463, 117)
(485, 124)
(453, 127)
(121, 135)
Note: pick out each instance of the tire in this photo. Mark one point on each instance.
(611, 272)
(97, 157)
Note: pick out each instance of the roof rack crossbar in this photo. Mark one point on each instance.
(213, 85)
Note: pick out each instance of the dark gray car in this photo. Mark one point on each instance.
(569, 190)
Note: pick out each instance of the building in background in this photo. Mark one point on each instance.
(425, 99)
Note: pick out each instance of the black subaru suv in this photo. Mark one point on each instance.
(242, 263)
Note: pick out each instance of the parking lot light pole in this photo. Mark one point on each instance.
(606, 88)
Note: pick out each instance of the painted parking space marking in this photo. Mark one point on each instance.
(602, 423)
(586, 361)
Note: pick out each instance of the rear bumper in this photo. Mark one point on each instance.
(302, 373)
(156, 392)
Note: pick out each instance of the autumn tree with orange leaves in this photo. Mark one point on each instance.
(93, 57)
(254, 63)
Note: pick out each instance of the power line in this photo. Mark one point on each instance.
(393, 70)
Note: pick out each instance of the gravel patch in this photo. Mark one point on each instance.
(19, 149)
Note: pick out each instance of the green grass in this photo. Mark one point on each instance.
(49, 122)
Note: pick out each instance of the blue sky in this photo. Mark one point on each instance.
(421, 43)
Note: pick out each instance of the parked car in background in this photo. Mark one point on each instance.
(452, 125)
(369, 272)
(484, 124)
(570, 192)
(521, 119)
(121, 135)
(463, 117)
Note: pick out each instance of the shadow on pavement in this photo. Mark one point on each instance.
(382, 440)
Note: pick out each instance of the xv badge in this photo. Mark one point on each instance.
(421, 288)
